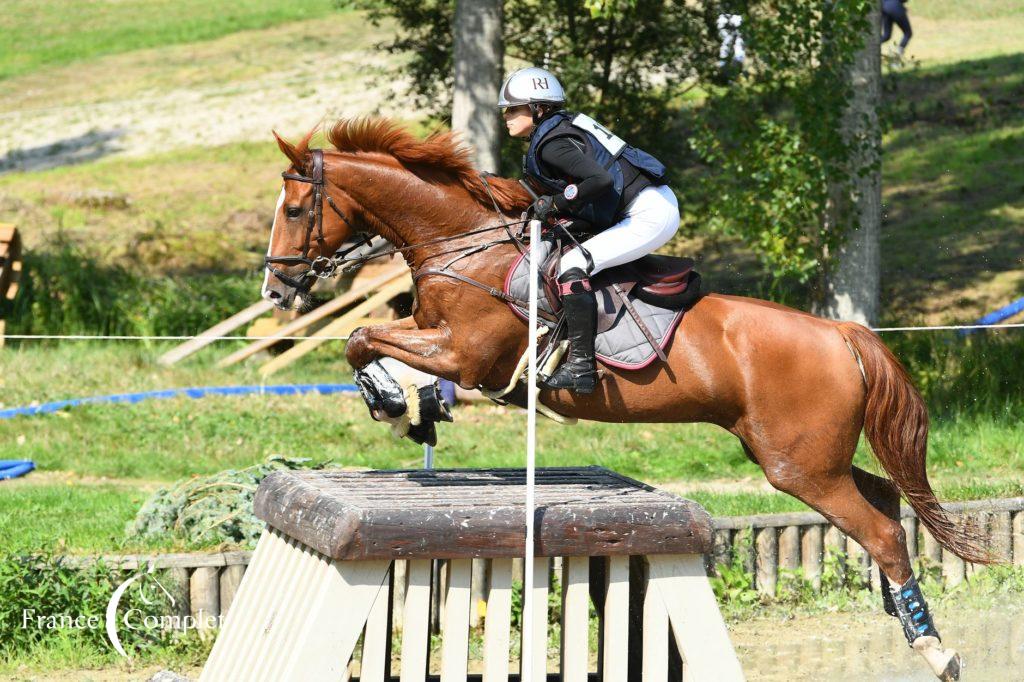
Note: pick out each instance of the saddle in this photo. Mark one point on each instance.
(639, 304)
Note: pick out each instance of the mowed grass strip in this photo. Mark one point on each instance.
(68, 516)
(35, 34)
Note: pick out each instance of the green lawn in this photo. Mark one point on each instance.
(36, 34)
(97, 463)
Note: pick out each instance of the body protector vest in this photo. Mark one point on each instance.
(603, 146)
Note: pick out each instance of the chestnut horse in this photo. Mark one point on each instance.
(795, 389)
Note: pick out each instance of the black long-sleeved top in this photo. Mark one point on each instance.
(568, 158)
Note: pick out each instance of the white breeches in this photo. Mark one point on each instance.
(651, 219)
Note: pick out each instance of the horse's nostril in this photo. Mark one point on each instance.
(274, 295)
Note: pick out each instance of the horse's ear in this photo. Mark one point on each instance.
(289, 150)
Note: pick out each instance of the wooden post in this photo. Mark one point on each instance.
(812, 547)
(204, 597)
(766, 540)
(789, 548)
(1018, 538)
(230, 579)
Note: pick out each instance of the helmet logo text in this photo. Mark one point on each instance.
(540, 83)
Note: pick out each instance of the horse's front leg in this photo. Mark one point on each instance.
(429, 350)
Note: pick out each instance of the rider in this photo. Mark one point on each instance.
(586, 172)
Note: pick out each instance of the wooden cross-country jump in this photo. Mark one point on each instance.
(10, 265)
(322, 576)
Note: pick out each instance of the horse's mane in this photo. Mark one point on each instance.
(441, 150)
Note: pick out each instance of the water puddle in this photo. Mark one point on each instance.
(843, 647)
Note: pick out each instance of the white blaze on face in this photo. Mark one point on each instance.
(266, 275)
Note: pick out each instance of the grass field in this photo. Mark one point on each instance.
(65, 32)
(107, 458)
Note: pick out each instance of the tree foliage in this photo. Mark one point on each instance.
(753, 151)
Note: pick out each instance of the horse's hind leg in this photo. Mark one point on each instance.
(885, 497)
(866, 508)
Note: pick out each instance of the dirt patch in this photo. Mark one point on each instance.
(236, 88)
(106, 675)
(846, 647)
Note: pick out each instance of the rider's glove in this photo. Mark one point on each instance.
(544, 208)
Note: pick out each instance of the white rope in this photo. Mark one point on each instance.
(185, 337)
(947, 327)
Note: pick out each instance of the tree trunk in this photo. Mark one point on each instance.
(851, 289)
(478, 53)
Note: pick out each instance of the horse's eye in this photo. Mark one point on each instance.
(293, 212)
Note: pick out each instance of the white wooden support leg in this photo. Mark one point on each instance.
(697, 623)
(374, 663)
(285, 622)
(497, 622)
(455, 629)
(616, 620)
(655, 634)
(575, 618)
(415, 633)
(541, 578)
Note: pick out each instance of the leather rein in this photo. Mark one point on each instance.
(323, 266)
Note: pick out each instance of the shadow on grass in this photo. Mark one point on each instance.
(953, 230)
(90, 146)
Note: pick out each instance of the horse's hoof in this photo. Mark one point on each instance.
(945, 663)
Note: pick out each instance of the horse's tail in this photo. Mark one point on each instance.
(896, 424)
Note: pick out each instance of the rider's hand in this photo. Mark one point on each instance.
(544, 208)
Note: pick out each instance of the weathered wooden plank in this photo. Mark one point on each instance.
(230, 579)
(766, 542)
(953, 568)
(204, 597)
(1018, 539)
(1002, 536)
(339, 327)
(210, 335)
(910, 532)
(789, 548)
(466, 513)
(295, 327)
(932, 548)
(133, 562)
(1010, 504)
(812, 552)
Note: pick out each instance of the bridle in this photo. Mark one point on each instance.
(322, 266)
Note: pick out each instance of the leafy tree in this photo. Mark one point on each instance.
(754, 152)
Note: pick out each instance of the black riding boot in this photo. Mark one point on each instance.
(577, 371)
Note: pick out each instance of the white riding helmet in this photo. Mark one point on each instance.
(531, 85)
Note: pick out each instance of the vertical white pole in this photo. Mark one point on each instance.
(428, 456)
(526, 657)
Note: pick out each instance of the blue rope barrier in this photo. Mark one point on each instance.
(12, 468)
(201, 392)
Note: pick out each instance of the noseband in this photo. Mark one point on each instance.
(322, 266)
